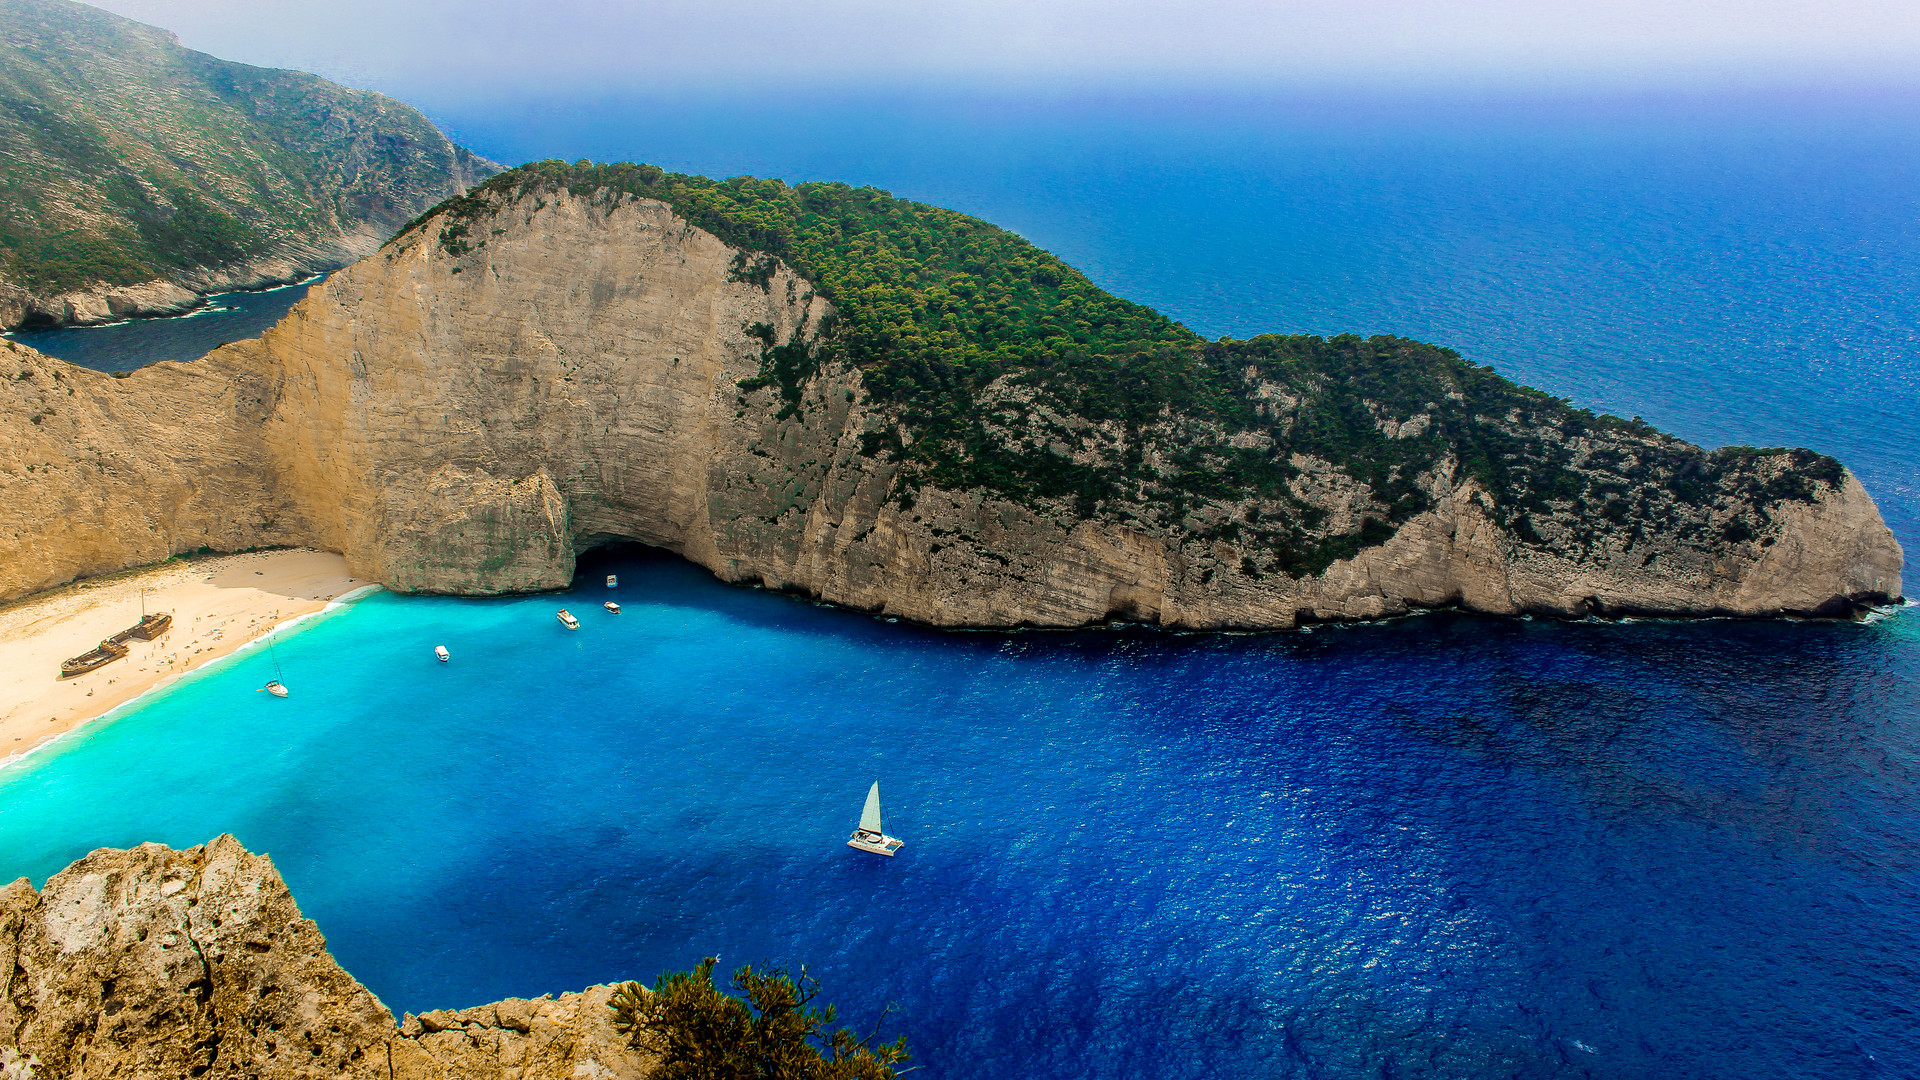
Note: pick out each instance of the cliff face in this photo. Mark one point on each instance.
(593, 396)
(140, 174)
(103, 473)
(162, 963)
(467, 417)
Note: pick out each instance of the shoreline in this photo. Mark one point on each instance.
(201, 305)
(204, 306)
(168, 681)
(222, 606)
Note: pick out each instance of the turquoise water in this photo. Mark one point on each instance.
(1439, 847)
(1445, 846)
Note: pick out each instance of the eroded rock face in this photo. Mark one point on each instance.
(160, 963)
(100, 473)
(468, 421)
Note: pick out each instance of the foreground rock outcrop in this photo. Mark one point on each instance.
(157, 963)
(467, 415)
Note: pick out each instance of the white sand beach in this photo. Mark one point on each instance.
(218, 603)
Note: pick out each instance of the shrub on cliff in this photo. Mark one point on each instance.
(775, 1033)
(998, 368)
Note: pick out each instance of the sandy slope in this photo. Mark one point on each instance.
(218, 604)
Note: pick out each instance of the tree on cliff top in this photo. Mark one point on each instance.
(996, 367)
(703, 1033)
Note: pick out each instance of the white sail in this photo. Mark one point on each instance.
(870, 817)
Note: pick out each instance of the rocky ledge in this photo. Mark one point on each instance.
(160, 963)
(187, 290)
(488, 396)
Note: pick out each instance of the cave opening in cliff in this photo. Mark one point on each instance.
(619, 555)
(644, 570)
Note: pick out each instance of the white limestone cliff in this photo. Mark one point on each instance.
(469, 423)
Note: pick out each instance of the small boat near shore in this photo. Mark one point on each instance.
(98, 657)
(566, 619)
(611, 606)
(870, 836)
(440, 651)
(612, 580)
(275, 686)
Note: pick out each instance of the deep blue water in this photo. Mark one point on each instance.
(124, 346)
(1445, 846)
(1439, 847)
(1736, 269)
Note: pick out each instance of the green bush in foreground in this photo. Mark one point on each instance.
(703, 1033)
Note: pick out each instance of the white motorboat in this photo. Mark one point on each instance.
(612, 580)
(276, 688)
(566, 619)
(611, 606)
(870, 836)
(441, 652)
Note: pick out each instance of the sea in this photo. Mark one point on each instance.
(134, 343)
(1441, 846)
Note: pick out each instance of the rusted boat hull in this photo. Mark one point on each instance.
(150, 627)
(106, 653)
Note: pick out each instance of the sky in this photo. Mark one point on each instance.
(432, 52)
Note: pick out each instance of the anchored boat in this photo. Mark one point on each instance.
(566, 619)
(612, 580)
(611, 606)
(274, 685)
(441, 652)
(870, 836)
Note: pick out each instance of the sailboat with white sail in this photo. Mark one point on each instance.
(274, 685)
(870, 836)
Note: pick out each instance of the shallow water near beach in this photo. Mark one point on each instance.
(1441, 846)
(1444, 846)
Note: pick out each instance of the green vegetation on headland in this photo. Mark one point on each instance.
(130, 158)
(1000, 368)
(773, 1032)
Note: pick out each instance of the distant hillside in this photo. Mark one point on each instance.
(127, 159)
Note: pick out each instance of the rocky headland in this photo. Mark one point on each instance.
(140, 175)
(569, 356)
(152, 962)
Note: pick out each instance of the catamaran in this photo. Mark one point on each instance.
(870, 836)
